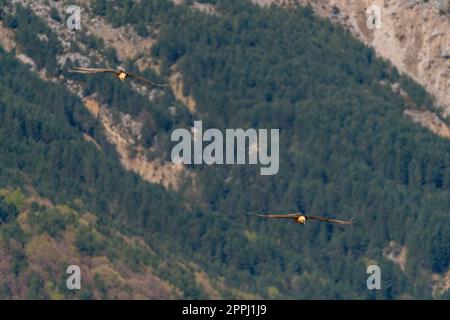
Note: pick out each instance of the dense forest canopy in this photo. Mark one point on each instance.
(346, 150)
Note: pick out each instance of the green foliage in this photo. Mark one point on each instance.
(19, 262)
(15, 198)
(54, 14)
(35, 38)
(5, 291)
(101, 286)
(8, 211)
(36, 286)
(346, 150)
(88, 241)
(418, 94)
(54, 221)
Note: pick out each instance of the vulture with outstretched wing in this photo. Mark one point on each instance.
(120, 73)
(301, 218)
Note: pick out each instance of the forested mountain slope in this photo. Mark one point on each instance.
(346, 150)
(414, 35)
